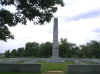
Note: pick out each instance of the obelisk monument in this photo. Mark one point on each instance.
(55, 50)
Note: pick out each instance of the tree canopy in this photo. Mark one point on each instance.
(66, 50)
(38, 11)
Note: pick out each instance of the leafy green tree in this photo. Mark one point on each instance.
(91, 49)
(84, 51)
(65, 48)
(31, 49)
(14, 53)
(75, 51)
(38, 11)
(94, 48)
(20, 52)
(5, 34)
(7, 54)
(45, 49)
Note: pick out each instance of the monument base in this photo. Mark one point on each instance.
(56, 60)
(54, 57)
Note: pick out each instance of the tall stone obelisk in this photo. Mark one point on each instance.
(55, 50)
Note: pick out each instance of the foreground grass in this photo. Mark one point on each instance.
(47, 66)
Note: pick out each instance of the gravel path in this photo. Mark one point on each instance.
(55, 72)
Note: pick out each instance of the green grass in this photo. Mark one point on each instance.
(46, 66)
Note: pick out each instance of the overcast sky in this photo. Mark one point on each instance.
(79, 22)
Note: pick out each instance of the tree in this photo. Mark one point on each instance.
(45, 49)
(65, 48)
(31, 49)
(38, 11)
(84, 51)
(94, 49)
(14, 53)
(91, 49)
(7, 54)
(5, 33)
(20, 52)
(75, 51)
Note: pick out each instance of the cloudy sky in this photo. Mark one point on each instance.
(79, 22)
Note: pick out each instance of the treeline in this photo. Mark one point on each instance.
(66, 50)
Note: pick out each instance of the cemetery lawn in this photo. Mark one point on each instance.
(48, 66)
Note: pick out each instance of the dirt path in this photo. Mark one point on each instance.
(55, 72)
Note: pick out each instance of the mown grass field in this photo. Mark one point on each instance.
(47, 66)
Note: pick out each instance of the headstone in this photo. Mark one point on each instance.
(20, 67)
(83, 69)
(55, 51)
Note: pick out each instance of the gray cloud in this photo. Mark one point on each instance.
(90, 14)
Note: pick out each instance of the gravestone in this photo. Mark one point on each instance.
(20, 68)
(83, 69)
(55, 51)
